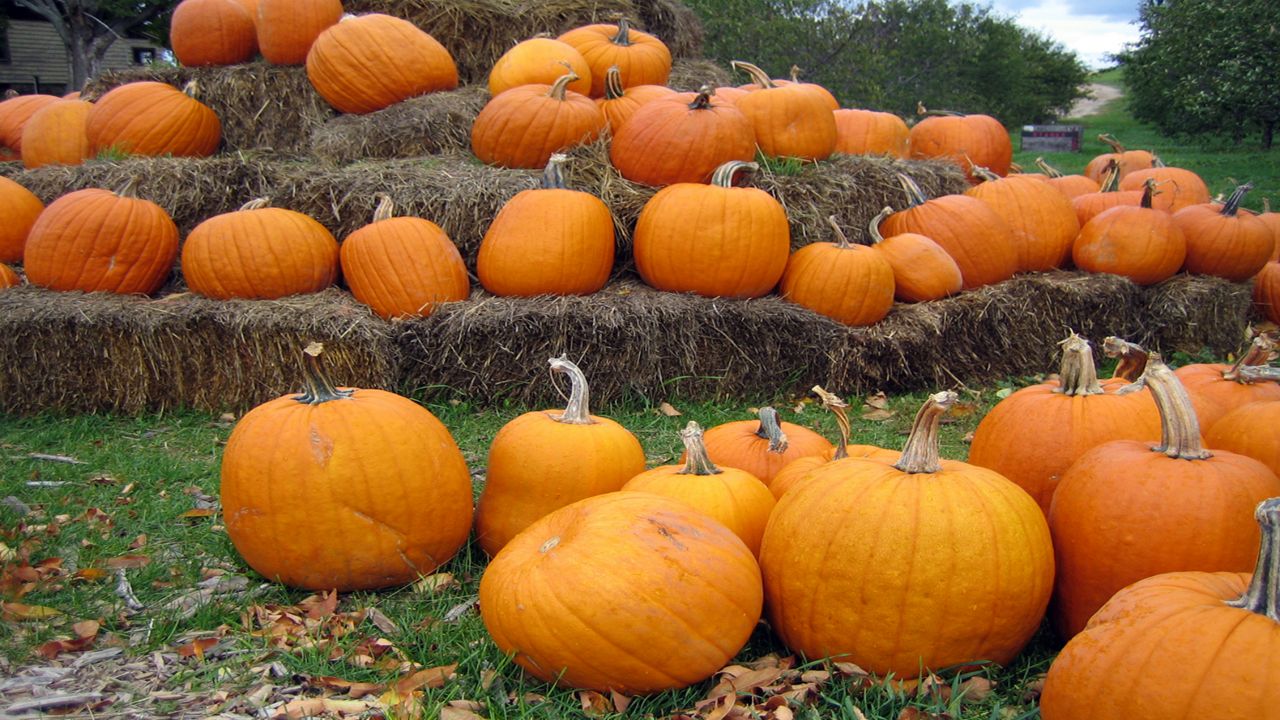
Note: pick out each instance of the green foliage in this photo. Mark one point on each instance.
(1208, 68)
(891, 54)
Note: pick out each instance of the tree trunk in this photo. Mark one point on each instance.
(1268, 133)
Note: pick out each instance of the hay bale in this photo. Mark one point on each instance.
(426, 125)
(689, 75)
(261, 106)
(100, 352)
(1191, 312)
(675, 23)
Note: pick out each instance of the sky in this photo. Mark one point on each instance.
(1091, 28)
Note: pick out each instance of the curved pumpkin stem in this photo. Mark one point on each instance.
(1179, 427)
(770, 429)
(795, 73)
(1077, 375)
(1110, 177)
(696, 459)
(316, 387)
(386, 206)
(1232, 205)
(842, 240)
(1048, 169)
(702, 101)
(623, 36)
(915, 196)
(561, 86)
(1110, 141)
(553, 175)
(873, 229)
(758, 76)
(723, 175)
(920, 454)
(837, 406)
(576, 411)
(1148, 192)
(1259, 373)
(1259, 353)
(255, 204)
(926, 112)
(1133, 358)
(191, 89)
(983, 174)
(613, 83)
(1263, 594)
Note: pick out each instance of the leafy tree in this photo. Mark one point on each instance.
(1207, 68)
(89, 27)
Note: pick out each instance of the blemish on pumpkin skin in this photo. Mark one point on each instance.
(666, 533)
(321, 447)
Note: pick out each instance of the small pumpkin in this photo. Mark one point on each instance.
(869, 132)
(524, 126)
(153, 118)
(1272, 221)
(1126, 160)
(1140, 243)
(19, 207)
(14, 114)
(1089, 205)
(922, 270)
(1069, 185)
(539, 60)
(287, 28)
(965, 140)
(681, 140)
(212, 32)
(343, 488)
(1179, 188)
(1223, 242)
(793, 120)
(851, 284)
(641, 58)
(57, 134)
(1218, 388)
(618, 103)
(763, 446)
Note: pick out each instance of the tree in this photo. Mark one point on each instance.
(1207, 68)
(89, 27)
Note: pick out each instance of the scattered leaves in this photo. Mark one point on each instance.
(669, 410)
(20, 611)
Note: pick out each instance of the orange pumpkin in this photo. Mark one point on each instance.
(1272, 221)
(260, 253)
(153, 118)
(793, 120)
(1223, 242)
(19, 207)
(922, 270)
(1042, 220)
(548, 241)
(851, 284)
(287, 28)
(1250, 429)
(97, 240)
(1070, 185)
(1139, 243)
(965, 140)
(344, 488)
(1179, 188)
(868, 132)
(1126, 160)
(1090, 204)
(368, 62)
(57, 135)
(798, 470)
(1266, 291)
(1218, 388)
(681, 140)
(539, 61)
(14, 114)
(618, 103)
(524, 126)
(642, 59)
(764, 446)
(212, 32)
(1127, 510)
(403, 267)
(741, 253)
(546, 459)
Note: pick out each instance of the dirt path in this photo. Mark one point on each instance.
(1100, 96)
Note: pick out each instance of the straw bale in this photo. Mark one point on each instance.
(96, 352)
(261, 106)
(690, 74)
(1191, 312)
(426, 125)
(675, 24)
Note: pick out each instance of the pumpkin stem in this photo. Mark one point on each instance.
(842, 240)
(1232, 206)
(1111, 141)
(553, 175)
(1111, 176)
(980, 172)
(1259, 353)
(837, 406)
(1148, 192)
(873, 229)
(1263, 594)
(385, 207)
(191, 89)
(623, 36)
(1133, 358)
(795, 73)
(1259, 373)
(770, 429)
(1077, 375)
(920, 454)
(723, 175)
(256, 204)
(758, 76)
(613, 83)
(702, 101)
(1179, 427)
(923, 111)
(561, 86)
(1048, 169)
(696, 459)
(316, 387)
(915, 196)
(576, 411)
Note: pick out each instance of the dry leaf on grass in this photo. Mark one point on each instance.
(669, 410)
(21, 611)
(86, 631)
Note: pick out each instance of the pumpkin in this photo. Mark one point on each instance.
(1140, 243)
(153, 118)
(966, 140)
(678, 140)
(368, 62)
(1127, 510)
(798, 470)
(642, 59)
(98, 240)
(539, 60)
(1266, 291)
(618, 104)
(1042, 220)
(544, 460)
(868, 132)
(287, 28)
(343, 488)
(1033, 435)
(548, 241)
(921, 563)
(14, 114)
(1089, 205)
(628, 592)
(851, 284)
(739, 251)
(1181, 644)
(260, 253)
(1249, 429)
(8, 277)
(793, 120)
(1126, 160)
(1272, 220)
(57, 134)
(978, 239)
(212, 32)
(1218, 388)
(524, 126)
(734, 497)
(19, 207)
(403, 267)
(1224, 242)
(1179, 188)
(1070, 185)
(764, 446)
(922, 270)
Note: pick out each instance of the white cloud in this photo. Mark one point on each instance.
(1080, 27)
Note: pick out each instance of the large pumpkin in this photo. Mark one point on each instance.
(524, 126)
(539, 60)
(287, 28)
(792, 120)
(153, 118)
(1137, 242)
(1182, 644)
(641, 58)
(920, 565)
(1224, 242)
(851, 284)
(403, 267)
(681, 140)
(260, 253)
(99, 240)
(1041, 218)
(922, 270)
(629, 592)
(58, 134)
(1127, 510)
(212, 32)
(342, 488)
(739, 251)
(368, 62)
(545, 459)
(548, 241)
(763, 446)
(966, 140)
(19, 207)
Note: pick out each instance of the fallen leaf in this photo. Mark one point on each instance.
(878, 415)
(620, 701)
(976, 689)
(879, 401)
(429, 678)
(435, 583)
(197, 513)
(127, 561)
(594, 704)
(139, 542)
(449, 712)
(197, 648)
(20, 611)
(320, 606)
(380, 620)
(321, 707)
(667, 409)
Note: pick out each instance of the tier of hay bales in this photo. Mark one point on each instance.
(79, 352)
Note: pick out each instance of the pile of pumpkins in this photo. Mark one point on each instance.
(1096, 500)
